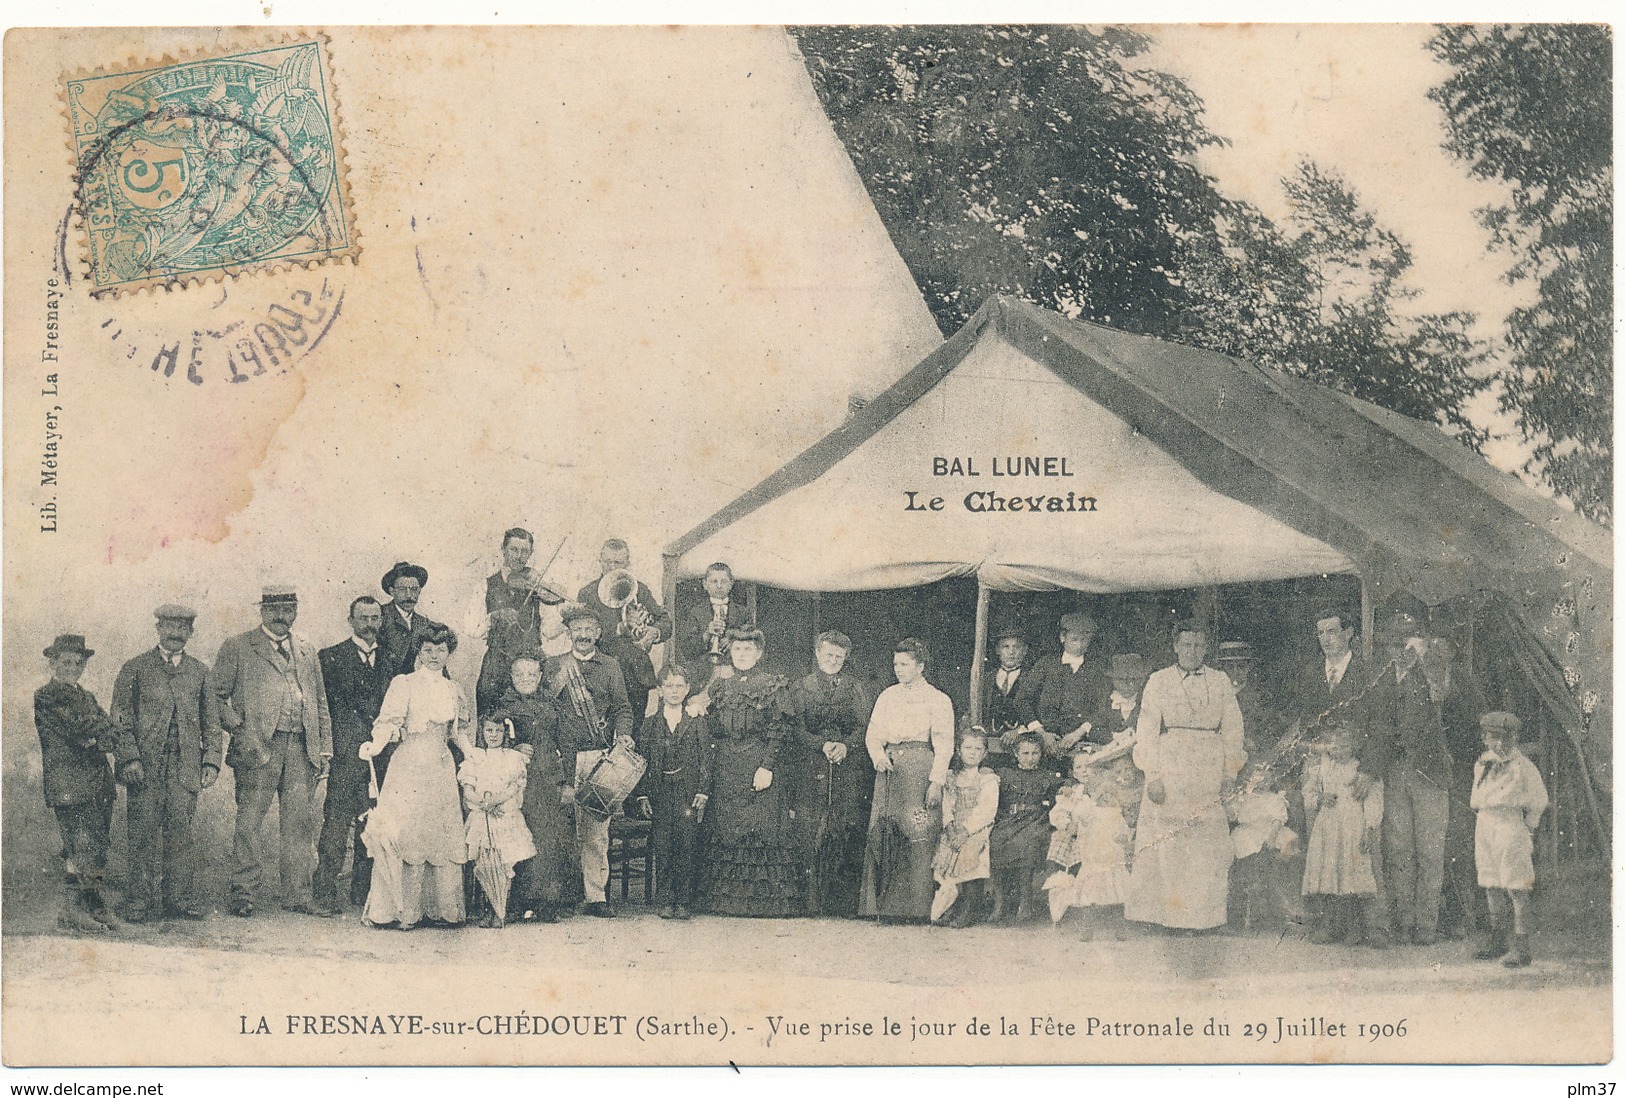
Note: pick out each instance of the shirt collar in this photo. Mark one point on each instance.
(1074, 662)
(275, 641)
(171, 658)
(364, 649)
(1341, 666)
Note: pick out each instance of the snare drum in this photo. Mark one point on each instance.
(610, 781)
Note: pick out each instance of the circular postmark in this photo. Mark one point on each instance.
(208, 166)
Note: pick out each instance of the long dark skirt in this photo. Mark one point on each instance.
(903, 834)
(538, 881)
(832, 826)
(750, 864)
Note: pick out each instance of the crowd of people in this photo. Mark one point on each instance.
(1093, 789)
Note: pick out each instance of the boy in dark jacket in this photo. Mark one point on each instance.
(76, 736)
(674, 791)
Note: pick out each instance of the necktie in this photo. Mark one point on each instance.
(282, 649)
(1004, 681)
(367, 656)
(1333, 677)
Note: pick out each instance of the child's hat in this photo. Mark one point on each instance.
(1499, 721)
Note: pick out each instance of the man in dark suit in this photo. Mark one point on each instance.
(702, 633)
(1002, 707)
(356, 680)
(274, 704)
(402, 625)
(1342, 690)
(169, 750)
(1065, 691)
(1416, 791)
(75, 738)
(594, 715)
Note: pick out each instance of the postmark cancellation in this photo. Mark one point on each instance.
(210, 166)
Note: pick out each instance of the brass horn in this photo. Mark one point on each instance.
(617, 589)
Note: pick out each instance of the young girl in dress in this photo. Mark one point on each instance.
(1020, 834)
(1089, 849)
(970, 800)
(493, 781)
(1509, 798)
(1263, 844)
(1344, 834)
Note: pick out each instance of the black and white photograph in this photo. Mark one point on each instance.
(810, 545)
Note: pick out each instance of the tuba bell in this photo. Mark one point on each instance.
(618, 590)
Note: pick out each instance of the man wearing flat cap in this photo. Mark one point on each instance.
(1416, 790)
(1065, 691)
(75, 738)
(273, 701)
(169, 750)
(594, 715)
(403, 624)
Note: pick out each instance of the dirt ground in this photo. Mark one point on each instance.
(201, 988)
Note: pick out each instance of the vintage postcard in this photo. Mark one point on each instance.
(807, 546)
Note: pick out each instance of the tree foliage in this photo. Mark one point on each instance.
(1323, 296)
(1051, 164)
(1531, 106)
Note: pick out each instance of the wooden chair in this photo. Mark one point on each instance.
(630, 857)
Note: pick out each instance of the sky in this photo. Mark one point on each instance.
(1350, 96)
(1353, 98)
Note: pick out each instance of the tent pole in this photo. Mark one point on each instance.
(1368, 619)
(668, 588)
(982, 599)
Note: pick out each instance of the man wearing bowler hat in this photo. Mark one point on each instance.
(274, 703)
(169, 750)
(75, 738)
(402, 624)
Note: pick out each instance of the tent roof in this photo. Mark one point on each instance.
(1404, 504)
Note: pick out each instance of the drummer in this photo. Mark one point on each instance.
(595, 716)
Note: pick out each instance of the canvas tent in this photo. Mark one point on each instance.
(1199, 471)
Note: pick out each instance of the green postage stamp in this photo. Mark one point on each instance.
(210, 166)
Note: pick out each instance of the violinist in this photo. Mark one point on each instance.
(517, 612)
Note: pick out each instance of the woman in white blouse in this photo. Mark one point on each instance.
(415, 834)
(911, 742)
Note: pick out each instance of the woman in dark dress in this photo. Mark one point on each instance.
(836, 780)
(750, 864)
(538, 884)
